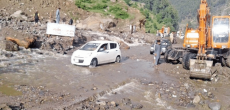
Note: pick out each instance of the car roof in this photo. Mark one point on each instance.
(104, 41)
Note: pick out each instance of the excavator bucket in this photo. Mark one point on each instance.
(200, 69)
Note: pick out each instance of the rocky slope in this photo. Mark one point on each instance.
(16, 24)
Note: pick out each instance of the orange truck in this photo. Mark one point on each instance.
(209, 42)
(164, 32)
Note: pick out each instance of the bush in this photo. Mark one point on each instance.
(127, 2)
(86, 1)
(119, 12)
(99, 6)
(104, 1)
(114, 9)
(78, 3)
(122, 15)
(83, 6)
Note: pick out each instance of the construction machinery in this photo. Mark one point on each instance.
(204, 46)
(164, 32)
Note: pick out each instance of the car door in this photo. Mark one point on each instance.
(112, 52)
(102, 54)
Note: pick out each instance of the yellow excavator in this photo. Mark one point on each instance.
(205, 45)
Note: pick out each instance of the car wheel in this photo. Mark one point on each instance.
(118, 59)
(93, 63)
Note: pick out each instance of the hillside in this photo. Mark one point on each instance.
(135, 11)
(160, 12)
(187, 9)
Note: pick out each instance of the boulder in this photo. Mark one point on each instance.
(19, 14)
(196, 99)
(111, 25)
(4, 107)
(11, 46)
(26, 42)
(58, 44)
(123, 45)
(137, 106)
(214, 106)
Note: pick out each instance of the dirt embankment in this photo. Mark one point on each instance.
(16, 25)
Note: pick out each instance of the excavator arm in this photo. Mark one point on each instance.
(201, 67)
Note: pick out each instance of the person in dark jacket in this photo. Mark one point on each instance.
(36, 18)
(157, 52)
(71, 21)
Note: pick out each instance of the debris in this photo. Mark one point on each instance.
(214, 106)
(196, 99)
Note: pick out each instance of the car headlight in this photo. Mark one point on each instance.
(188, 46)
(224, 46)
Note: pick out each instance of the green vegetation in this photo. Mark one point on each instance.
(187, 9)
(103, 6)
(158, 13)
(127, 2)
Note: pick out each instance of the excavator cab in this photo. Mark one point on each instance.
(220, 32)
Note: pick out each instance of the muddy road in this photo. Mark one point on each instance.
(34, 79)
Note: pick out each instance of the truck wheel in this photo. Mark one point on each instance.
(228, 61)
(222, 61)
(186, 60)
(183, 60)
(166, 56)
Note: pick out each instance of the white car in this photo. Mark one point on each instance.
(96, 52)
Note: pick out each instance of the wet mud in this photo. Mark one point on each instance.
(38, 79)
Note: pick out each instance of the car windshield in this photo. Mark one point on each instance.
(90, 46)
(165, 42)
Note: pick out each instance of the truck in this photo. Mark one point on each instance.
(204, 46)
(163, 32)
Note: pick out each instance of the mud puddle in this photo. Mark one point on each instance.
(9, 91)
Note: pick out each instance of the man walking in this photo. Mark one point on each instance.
(58, 15)
(157, 52)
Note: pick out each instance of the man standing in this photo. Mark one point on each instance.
(70, 21)
(157, 52)
(171, 37)
(36, 18)
(58, 15)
